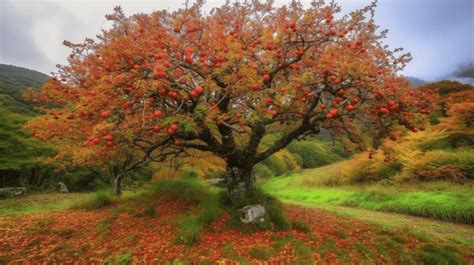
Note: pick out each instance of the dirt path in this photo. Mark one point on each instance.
(441, 231)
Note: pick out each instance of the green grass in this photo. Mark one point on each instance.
(190, 232)
(443, 201)
(38, 203)
(261, 253)
(98, 200)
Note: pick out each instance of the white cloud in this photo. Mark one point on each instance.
(438, 47)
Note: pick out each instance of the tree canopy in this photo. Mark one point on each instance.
(156, 85)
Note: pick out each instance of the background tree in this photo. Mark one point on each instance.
(163, 83)
(22, 157)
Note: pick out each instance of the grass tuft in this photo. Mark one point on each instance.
(301, 226)
(99, 200)
(261, 253)
(190, 232)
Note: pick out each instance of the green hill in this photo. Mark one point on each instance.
(13, 83)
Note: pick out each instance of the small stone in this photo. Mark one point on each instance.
(63, 188)
(11, 192)
(252, 214)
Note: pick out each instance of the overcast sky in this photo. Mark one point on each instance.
(439, 33)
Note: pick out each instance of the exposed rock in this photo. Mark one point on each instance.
(12, 192)
(63, 188)
(252, 214)
(220, 182)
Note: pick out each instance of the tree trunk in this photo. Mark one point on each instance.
(118, 185)
(240, 182)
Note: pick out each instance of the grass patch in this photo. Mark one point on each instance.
(229, 253)
(39, 203)
(303, 252)
(432, 254)
(121, 259)
(190, 232)
(103, 227)
(301, 226)
(444, 205)
(275, 216)
(186, 190)
(100, 199)
(435, 200)
(261, 253)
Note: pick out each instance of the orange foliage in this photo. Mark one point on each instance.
(73, 237)
(159, 84)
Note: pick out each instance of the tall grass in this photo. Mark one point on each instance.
(436, 200)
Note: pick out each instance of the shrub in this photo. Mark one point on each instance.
(287, 157)
(388, 170)
(261, 171)
(177, 189)
(276, 165)
(442, 165)
(298, 159)
(314, 154)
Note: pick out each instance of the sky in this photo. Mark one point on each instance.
(438, 33)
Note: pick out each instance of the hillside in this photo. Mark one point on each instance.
(13, 83)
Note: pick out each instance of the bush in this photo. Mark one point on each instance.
(276, 165)
(298, 159)
(290, 161)
(314, 154)
(388, 170)
(442, 165)
(261, 171)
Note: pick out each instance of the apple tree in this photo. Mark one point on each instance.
(156, 85)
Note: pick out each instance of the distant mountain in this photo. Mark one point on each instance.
(14, 81)
(465, 74)
(415, 81)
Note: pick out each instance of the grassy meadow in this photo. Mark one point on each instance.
(438, 200)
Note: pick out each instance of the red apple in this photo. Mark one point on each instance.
(162, 91)
(104, 114)
(266, 78)
(199, 90)
(383, 111)
(350, 107)
(255, 86)
(157, 114)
